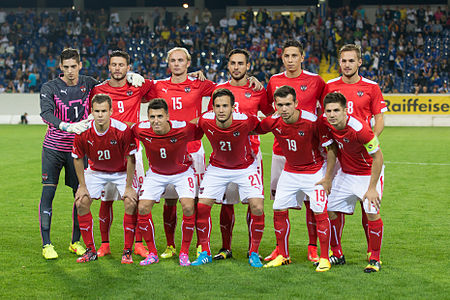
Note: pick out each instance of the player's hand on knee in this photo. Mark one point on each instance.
(81, 193)
(130, 194)
(135, 79)
(198, 74)
(253, 82)
(372, 196)
(326, 184)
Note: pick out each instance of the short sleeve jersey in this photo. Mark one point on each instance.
(106, 151)
(308, 87)
(299, 142)
(167, 154)
(184, 99)
(356, 142)
(62, 103)
(126, 100)
(231, 146)
(364, 98)
(249, 102)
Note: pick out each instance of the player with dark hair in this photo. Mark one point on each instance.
(232, 160)
(365, 101)
(361, 176)
(165, 143)
(110, 147)
(297, 134)
(308, 87)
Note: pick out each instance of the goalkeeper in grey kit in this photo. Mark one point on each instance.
(64, 105)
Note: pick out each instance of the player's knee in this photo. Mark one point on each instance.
(83, 204)
(188, 210)
(144, 207)
(130, 206)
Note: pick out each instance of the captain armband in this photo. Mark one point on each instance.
(373, 145)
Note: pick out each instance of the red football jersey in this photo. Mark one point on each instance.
(126, 100)
(249, 102)
(167, 154)
(364, 98)
(184, 99)
(298, 141)
(352, 154)
(308, 87)
(231, 146)
(106, 151)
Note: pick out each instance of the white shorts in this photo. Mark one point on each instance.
(348, 189)
(111, 193)
(231, 195)
(294, 187)
(277, 167)
(97, 181)
(198, 166)
(217, 179)
(155, 184)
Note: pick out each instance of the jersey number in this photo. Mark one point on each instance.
(177, 104)
(292, 145)
(320, 195)
(350, 107)
(225, 146)
(254, 180)
(120, 105)
(103, 155)
(162, 152)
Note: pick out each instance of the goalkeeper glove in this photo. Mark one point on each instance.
(77, 127)
(135, 79)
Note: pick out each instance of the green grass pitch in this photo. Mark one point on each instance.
(414, 251)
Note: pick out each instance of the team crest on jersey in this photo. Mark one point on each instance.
(129, 93)
(236, 133)
(44, 176)
(173, 140)
(248, 94)
(187, 89)
(360, 93)
(346, 140)
(303, 87)
(83, 89)
(301, 133)
(113, 142)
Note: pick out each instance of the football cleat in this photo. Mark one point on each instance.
(89, 255)
(373, 266)
(223, 254)
(140, 249)
(104, 250)
(248, 255)
(202, 259)
(278, 261)
(334, 260)
(254, 260)
(48, 252)
(312, 253)
(324, 265)
(368, 255)
(199, 250)
(126, 257)
(150, 259)
(184, 260)
(77, 248)
(169, 252)
(275, 253)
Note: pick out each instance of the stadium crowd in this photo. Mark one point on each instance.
(405, 50)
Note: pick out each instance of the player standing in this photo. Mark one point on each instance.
(308, 87)
(361, 176)
(249, 102)
(165, 143)
(110, 148)
(232, 160)
(126, 102)
(297, 134)
(365, 101)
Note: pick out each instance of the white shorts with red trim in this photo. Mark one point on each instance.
(293, 188)
(97, 182)
(347, 189)
(155, 185)
(217, 179)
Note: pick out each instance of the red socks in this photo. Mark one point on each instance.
(376, 236)
(311, 225)
(170, 223)
(256, 228)
(87, 232)
(105, 215)
(129, 229)
(282, 228)
(187, 231)
(227, 224)
(323, 230)
(145, 225)
(204, 226)
(336, 233)
(365, 224)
